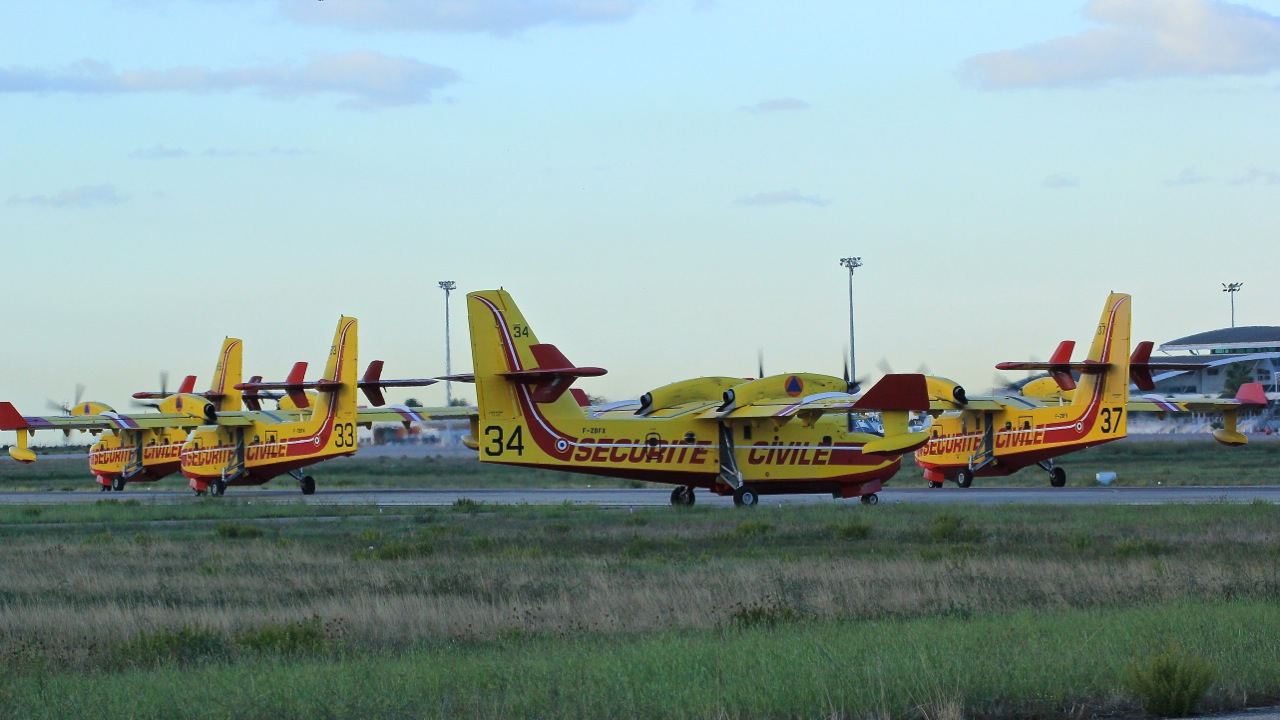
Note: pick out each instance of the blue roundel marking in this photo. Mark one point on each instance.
(794, 386)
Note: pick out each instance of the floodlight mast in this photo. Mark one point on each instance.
(851, 263)
(447, 286)
(1231, 289)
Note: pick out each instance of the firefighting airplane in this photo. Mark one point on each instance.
(138, 447)
(252, 447)
(994, 436)
(144, 447)
(745, 438)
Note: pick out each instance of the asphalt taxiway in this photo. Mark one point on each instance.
(652, 497)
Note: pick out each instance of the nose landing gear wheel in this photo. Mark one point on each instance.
(871, 499)
(935, 484)
(745, 496)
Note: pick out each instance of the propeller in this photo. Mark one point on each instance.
(886, 369)
(64, 408)
(1002, 385)
(164, 393)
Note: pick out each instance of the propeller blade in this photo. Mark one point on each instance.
(79, 394)
(164, 383)
(759, 363)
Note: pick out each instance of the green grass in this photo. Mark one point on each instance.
(1014, 665)
(230, 608)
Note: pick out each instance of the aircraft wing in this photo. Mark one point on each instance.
(11, 419)
(1250, 395)
(892, 393)
(993, 404)
(405, 414)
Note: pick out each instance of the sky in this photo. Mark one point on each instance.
(666, 187)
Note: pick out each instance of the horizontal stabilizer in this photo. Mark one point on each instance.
(896, 392)
(186, 388)
(1140, 366)
(460, 377)
(553, 375)
(294, 385)
(372, 383)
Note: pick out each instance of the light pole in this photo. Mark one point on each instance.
(447, 286)
(851, 263)
(1232, 289)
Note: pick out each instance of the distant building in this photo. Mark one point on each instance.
(1256, 347)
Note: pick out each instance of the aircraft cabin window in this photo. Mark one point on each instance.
(746, 432)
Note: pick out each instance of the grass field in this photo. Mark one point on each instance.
(226, 609)
(1135, 462)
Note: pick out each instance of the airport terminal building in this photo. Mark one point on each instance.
(1256, 348)
(1251, 354)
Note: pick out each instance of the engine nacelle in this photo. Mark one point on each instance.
(945, 390)
(195, 406)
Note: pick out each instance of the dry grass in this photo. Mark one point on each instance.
(562, 571)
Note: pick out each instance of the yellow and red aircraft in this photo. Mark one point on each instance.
(139, 447)
(995, 436)
(745, 438)
(145, 447)
(252, 447)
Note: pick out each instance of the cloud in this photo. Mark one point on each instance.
(1059, 181)
(158, 152)
(1140, 39)
(1188, 176)
(367, 79)
(1256, 176)
(782, 197)
(776, 104)
(79, 197)
(498, 17)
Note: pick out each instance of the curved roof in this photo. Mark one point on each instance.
(1236, 337)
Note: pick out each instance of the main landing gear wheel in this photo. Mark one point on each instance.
(745, 496)
(1057, 477)
(964, 478)
(308, 484)
(871, 499)
(117, 483)
(682, 496)
(218, 488)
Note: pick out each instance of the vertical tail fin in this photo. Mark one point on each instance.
(1110, 347)
(226, 376)
(339, 401)
(513, 370)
